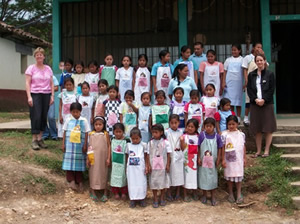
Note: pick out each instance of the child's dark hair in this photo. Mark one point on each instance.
(135, 131)
(194, 92)
(102, 119)
(79, 63)
(126, 56)
(129, 93)
(199, 43)
(69, 60)
(195, 122)
(209, 120)
(237, 46)
(224, 101)
(256, 43)
(69, 79)
(143, 56)
(159, 127)
(174, 116)
(113, 87)
(76, 106)
(102, 81)
(145, 93)
(211, 51)
(211, 85)
(163, 53)
(93, 62)
(108, 54)
(178, 89)
(232, 118)
(178, 68)
(160, 93)
(85, 83)
(184, 49)
(119, 126)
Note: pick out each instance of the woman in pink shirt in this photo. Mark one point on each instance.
(40, 94)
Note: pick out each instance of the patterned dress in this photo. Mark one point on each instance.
(111, 114)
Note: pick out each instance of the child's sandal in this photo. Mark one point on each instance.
(163, 203)
(213, 202)
(177, 198)
(187, 199)
(132, 204)
(104, 198)
(170, 198)
(94, 197)
(231, 199)
(203, 200)
(240, 200)
(143, 203)
(155, 204)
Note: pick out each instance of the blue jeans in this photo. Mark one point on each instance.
(51, 131)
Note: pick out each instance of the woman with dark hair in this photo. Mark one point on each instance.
(260, 87)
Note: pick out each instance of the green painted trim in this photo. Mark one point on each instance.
(182, 23)
(284, 17)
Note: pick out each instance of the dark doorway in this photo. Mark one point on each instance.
(285, 52)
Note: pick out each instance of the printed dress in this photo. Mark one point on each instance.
(136, 177)
(195, 111)
(87, 103)
(99, 105)
(78, 79)
(234, 142)
(211, 105)
(160, 115)
(92, 80)
(111, 114)
(144, 113)
(125, 80)
(190, 161)
(129, 117)
(158, 152)
(99, 171)
(177, 159)
(142, 83)
(118, 175)
(74, 159)
(108, 73)
(163, 78)
(178, 108)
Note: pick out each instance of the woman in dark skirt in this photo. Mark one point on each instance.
(260, 87)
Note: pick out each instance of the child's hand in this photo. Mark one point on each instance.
(88, 165)
(108, 162)
(92, 120)
(245, 162)
(224, 164)
(63, 148)
(146, 170)
(149, 169)
(155, 90)
(130, 103)
(217, 163)
(61, 120)
(221, 91)
(168, 168)
(199, 162)
(84, 149)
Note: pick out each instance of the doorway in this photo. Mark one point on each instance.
(285, 54)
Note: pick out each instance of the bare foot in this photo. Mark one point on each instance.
(80, 188)
(124, 197)
(117, 196)
(73, 186)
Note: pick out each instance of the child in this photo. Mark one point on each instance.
(160, 111)
(162, 73)
(102, 96)
(141, 78)
(209, 157)
(211, 72)
(189, 145)
(108, 70)
(234, 158)
(87, 102)
(124, 76)
(78, 76)
(74, 146)
(195, 109)
(222, 115)
(128, 112)
(111, 109)
(185, 59)
(99, 146)
(159, 164)
(118, 180)
(144, 114)
(92, 78)
(67, 97)
(176, 169)
(67, 73)
(177, 106)
(233, 79)
(137, 169)
(210, 101)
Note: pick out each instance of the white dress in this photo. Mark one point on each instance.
(211, 105)
(142, 83)
(177, 159)
(125, 80)
(163, 78)
(92, 80)
(212, 75)
(143, 122)
(136, 177)
(87, 103)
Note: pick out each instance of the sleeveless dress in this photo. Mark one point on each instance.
(142, 83)
(212, 75)
(108, 73)
(144, 113)
(178, 108)
(163, 78)
(111, 114)
(160, 115)
(92, 80)
(129, 117)
(87, 103)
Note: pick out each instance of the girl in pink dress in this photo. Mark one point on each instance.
(234, 158)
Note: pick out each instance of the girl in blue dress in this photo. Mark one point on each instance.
(222, 114)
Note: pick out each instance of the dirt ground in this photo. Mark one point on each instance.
(22, 201)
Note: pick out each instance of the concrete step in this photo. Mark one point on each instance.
(286, 138)
(296, 201)
(289, 148)
(296, 170)
(294, 158)
(296, 184)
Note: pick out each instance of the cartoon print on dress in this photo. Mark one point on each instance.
(142, 80)
(208, 161)
(165, 80)
(230, 153)
(133, 161)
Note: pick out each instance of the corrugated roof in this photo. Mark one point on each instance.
(15, 33)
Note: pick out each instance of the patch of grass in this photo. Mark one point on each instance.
(13, 116)
(46, 186)
(50, 163)
(16, 134)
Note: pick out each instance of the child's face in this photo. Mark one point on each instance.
(118, 133)
(257, 49)
(186, 54)
(178, 95)
(209, 128)
(160, 99)
(135, 139)
(76, 113)
(128, 99)
(85, 90)
(78, 69)
(98, 125)
(174, 123)
(235, 52)
(126, 62)
(194, 99)
(232, 125)
(210, 91)
(102, 88)
(146, 100)
(68, 67)
(69, 86)
(112, 93)
(156, 134)
(93, 68)
(61, 65)
(226, 107)
(108, 60)
(166, 58)
(142, 62)
(190, 129)
(210, 58)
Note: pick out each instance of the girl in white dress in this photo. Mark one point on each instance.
(144, 114)
(124, 76)
(92, 78)
(210, 101)
(103, 95)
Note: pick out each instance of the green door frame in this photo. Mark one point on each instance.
(182, 23)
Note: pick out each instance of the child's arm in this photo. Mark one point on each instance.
(150, 122)
(245, 70)
(109, 150)
(196, 77)
(223, 157)
(185, 118)
(133, 80)
(117, 83)
(224, 80)
(221, 89)
(151, 86)
(168, 162)
(146, 163)
(121, 118)
(219, 156)
(134, 108)
(61, 120)
(199, 156)
(154, 83)
(63, 143)
(218, 127)
(182, 143)
(201, 82)
(84, 148)
(245, 158)
(93, 112)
